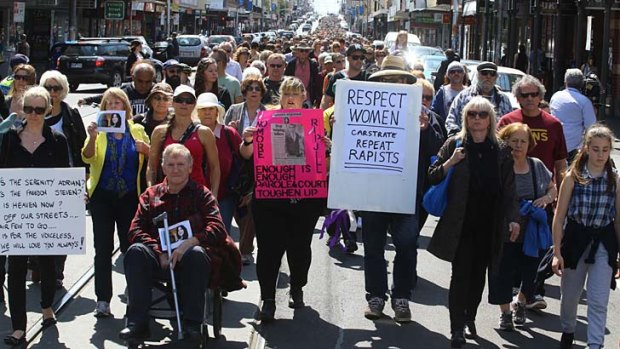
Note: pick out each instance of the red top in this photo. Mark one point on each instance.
(548, 133)
(197, 150)
(225, 149)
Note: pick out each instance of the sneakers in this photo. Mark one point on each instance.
(505, 322)
(538, 303)
(375, 308)
(401, 310)
(102, 310)
(518, 310)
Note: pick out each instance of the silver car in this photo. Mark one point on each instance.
(192, 48)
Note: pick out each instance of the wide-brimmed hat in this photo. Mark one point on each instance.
(161, 88)
(393, 66)
(209, 100)
(302, 46)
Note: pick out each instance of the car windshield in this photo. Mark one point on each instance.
(189, 41)
(217, 39)
(82, 50)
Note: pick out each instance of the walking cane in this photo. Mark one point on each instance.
(164, 217)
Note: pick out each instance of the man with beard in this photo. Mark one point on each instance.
(172, 72)
(487, 75)
(143, 77)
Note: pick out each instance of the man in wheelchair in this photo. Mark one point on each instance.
(187, 202)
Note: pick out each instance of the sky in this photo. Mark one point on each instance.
(325, 6)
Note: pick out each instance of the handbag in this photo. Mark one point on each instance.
(435, 199)
(235, 167)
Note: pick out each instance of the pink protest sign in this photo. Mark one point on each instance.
(289, 155)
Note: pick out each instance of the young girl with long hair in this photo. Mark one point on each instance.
(586, 230)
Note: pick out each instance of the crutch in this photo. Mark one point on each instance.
(164, 218)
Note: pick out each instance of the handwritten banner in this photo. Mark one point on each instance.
(376, 142)
(289, 155)
(42, 211)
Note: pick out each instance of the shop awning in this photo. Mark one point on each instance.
(469, 9)
(379, 13)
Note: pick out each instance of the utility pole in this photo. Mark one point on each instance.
(168, 19)
(72, 20)
(605, 59)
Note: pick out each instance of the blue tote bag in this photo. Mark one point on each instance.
(436, 197)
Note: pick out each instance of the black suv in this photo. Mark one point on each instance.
(94, 62)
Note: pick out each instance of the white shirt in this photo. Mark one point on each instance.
(576, 113)
(234, 69)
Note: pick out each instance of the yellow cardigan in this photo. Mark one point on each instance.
(101, 145)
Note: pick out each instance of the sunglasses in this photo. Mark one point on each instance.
(253, 89)
(356, 57)
(37, 110)
(184, 100)
(21, 77)
(427, 97)
(455, 71)
(276, 66)
(482, 114)
(531, 94)
(51, 88)
(488, 73)
(161, 98)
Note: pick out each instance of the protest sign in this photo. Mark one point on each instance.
(289, 154)
(177, 234)
(111, 121)
(376, 142)
(42, 211)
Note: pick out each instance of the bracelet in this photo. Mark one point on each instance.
(247, 143)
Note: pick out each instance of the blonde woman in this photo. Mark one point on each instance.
(36, 145)
(283, 225)
(114, 185)
(25, 76)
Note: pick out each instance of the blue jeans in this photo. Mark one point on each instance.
(227, 209)
(404, 231)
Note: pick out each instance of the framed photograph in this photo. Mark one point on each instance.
(111, 121)
(177, 233)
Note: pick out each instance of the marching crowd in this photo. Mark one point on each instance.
(520, 183)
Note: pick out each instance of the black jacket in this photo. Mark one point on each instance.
(314, 75)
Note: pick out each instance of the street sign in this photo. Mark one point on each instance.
(114, 10)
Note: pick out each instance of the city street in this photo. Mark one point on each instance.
(334, 297)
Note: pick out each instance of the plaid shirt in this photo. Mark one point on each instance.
(592, 205)
(194, 203)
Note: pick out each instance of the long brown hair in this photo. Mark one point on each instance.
(575, 170)
(199, 84)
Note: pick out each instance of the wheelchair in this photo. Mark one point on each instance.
(162, 307)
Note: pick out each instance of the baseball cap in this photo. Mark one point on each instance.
(19, 59)
(487, 66)
(328, 59)
(184, 89)
(170, 63)
(355, 48)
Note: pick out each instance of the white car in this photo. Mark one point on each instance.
(192, 48)
(506, 78)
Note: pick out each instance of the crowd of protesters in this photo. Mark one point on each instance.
(519, 185)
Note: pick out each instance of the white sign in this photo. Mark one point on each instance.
(111, 121)
(42, 211)
(376, 141)
(19, 11)
(216, 5)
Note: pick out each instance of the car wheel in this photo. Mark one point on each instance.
(117, 79)
(159, 76)
(74, 86)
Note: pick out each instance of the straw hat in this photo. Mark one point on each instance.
(393, 66)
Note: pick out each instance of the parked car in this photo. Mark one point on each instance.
(215, 40)
(147, 52)
(506, 78)
(192, 48)
(98, 61)
(431, 66)
(306, 28)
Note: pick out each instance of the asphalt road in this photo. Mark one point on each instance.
(333, 317)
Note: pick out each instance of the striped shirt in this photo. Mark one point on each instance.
(591, 204)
